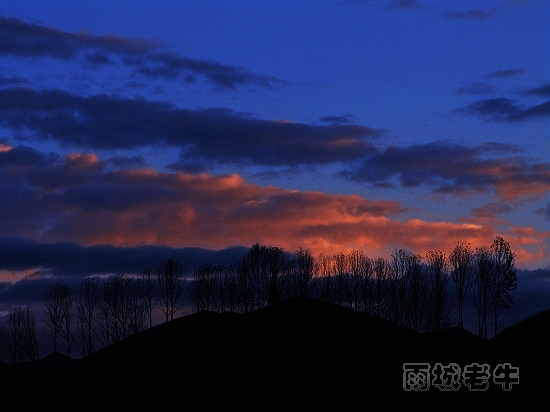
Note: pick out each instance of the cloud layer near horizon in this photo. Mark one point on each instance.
(81, 199)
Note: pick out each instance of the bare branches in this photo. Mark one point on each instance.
(170, 287)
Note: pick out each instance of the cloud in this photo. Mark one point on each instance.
(455, 169)
(171, 66)
(346, 118)
(61, 259)
(127, 162)
(22, 39)
(543, 90)
(504, 73)
(491, 210)
(506, 110)
(476, 88)
(472, 14)
(218, 134)
(79, 200)
(544, 211)
(404, 4)
(31, 40)
(12, 81)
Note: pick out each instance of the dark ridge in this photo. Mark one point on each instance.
(300, 352)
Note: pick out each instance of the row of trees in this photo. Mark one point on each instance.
(420, 292)
(95, 314)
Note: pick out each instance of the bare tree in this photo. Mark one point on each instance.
(30, 340)
(227, 289)
(482, 286)
(340, 289)
(136, 306)
(438, 308)
(3, 341)
(505, 279)
(148, 292)
(258, 267)
(203, 288)
(304, 272)
(277, 261)
(415, 288)
(20, 335)
(58, 315)
(324, 272)
(87, 304)
(170, 286)
(356, 263)
(461, 260)
(114, 309)
(244, 286)
(381, 273)
(398, 286)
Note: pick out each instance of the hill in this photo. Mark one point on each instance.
(301, 351)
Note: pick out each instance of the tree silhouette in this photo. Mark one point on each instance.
(203, 288)
(340, 284)
(19, 336)
(148, 292)
(398, 285)
(170, 287)
(58, 314)
(277, 263)
(244, 286)
(381, 270)
(303, 272)
(483, 282)
(504, 276)
(437, 302)
(461, 259)
(87, 305)
(357, 270)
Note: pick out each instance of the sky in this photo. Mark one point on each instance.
(134, 130)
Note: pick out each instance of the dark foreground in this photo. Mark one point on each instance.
(300, 352)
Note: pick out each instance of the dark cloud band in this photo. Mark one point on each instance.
(218, 134)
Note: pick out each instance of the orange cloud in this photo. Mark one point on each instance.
(178, 209)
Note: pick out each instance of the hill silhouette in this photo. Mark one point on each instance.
(299, 352)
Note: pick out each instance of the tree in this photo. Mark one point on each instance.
(170, 287)
(227, 289)
(340, 284)
(324, 271)
(504, 277)
(461, 259)
(437, 302)
(20, 336)
(405, 288)
(113, 310)
(304, 272)
(381, 270)
(30, 340)
(87, 304)
(135, 305)
(203, 287)
(244, 286)
(148, 292)
(58, 315)
(277, 261)
(482, 286)
(356, 265)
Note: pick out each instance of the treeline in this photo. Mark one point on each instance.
(423, 292)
